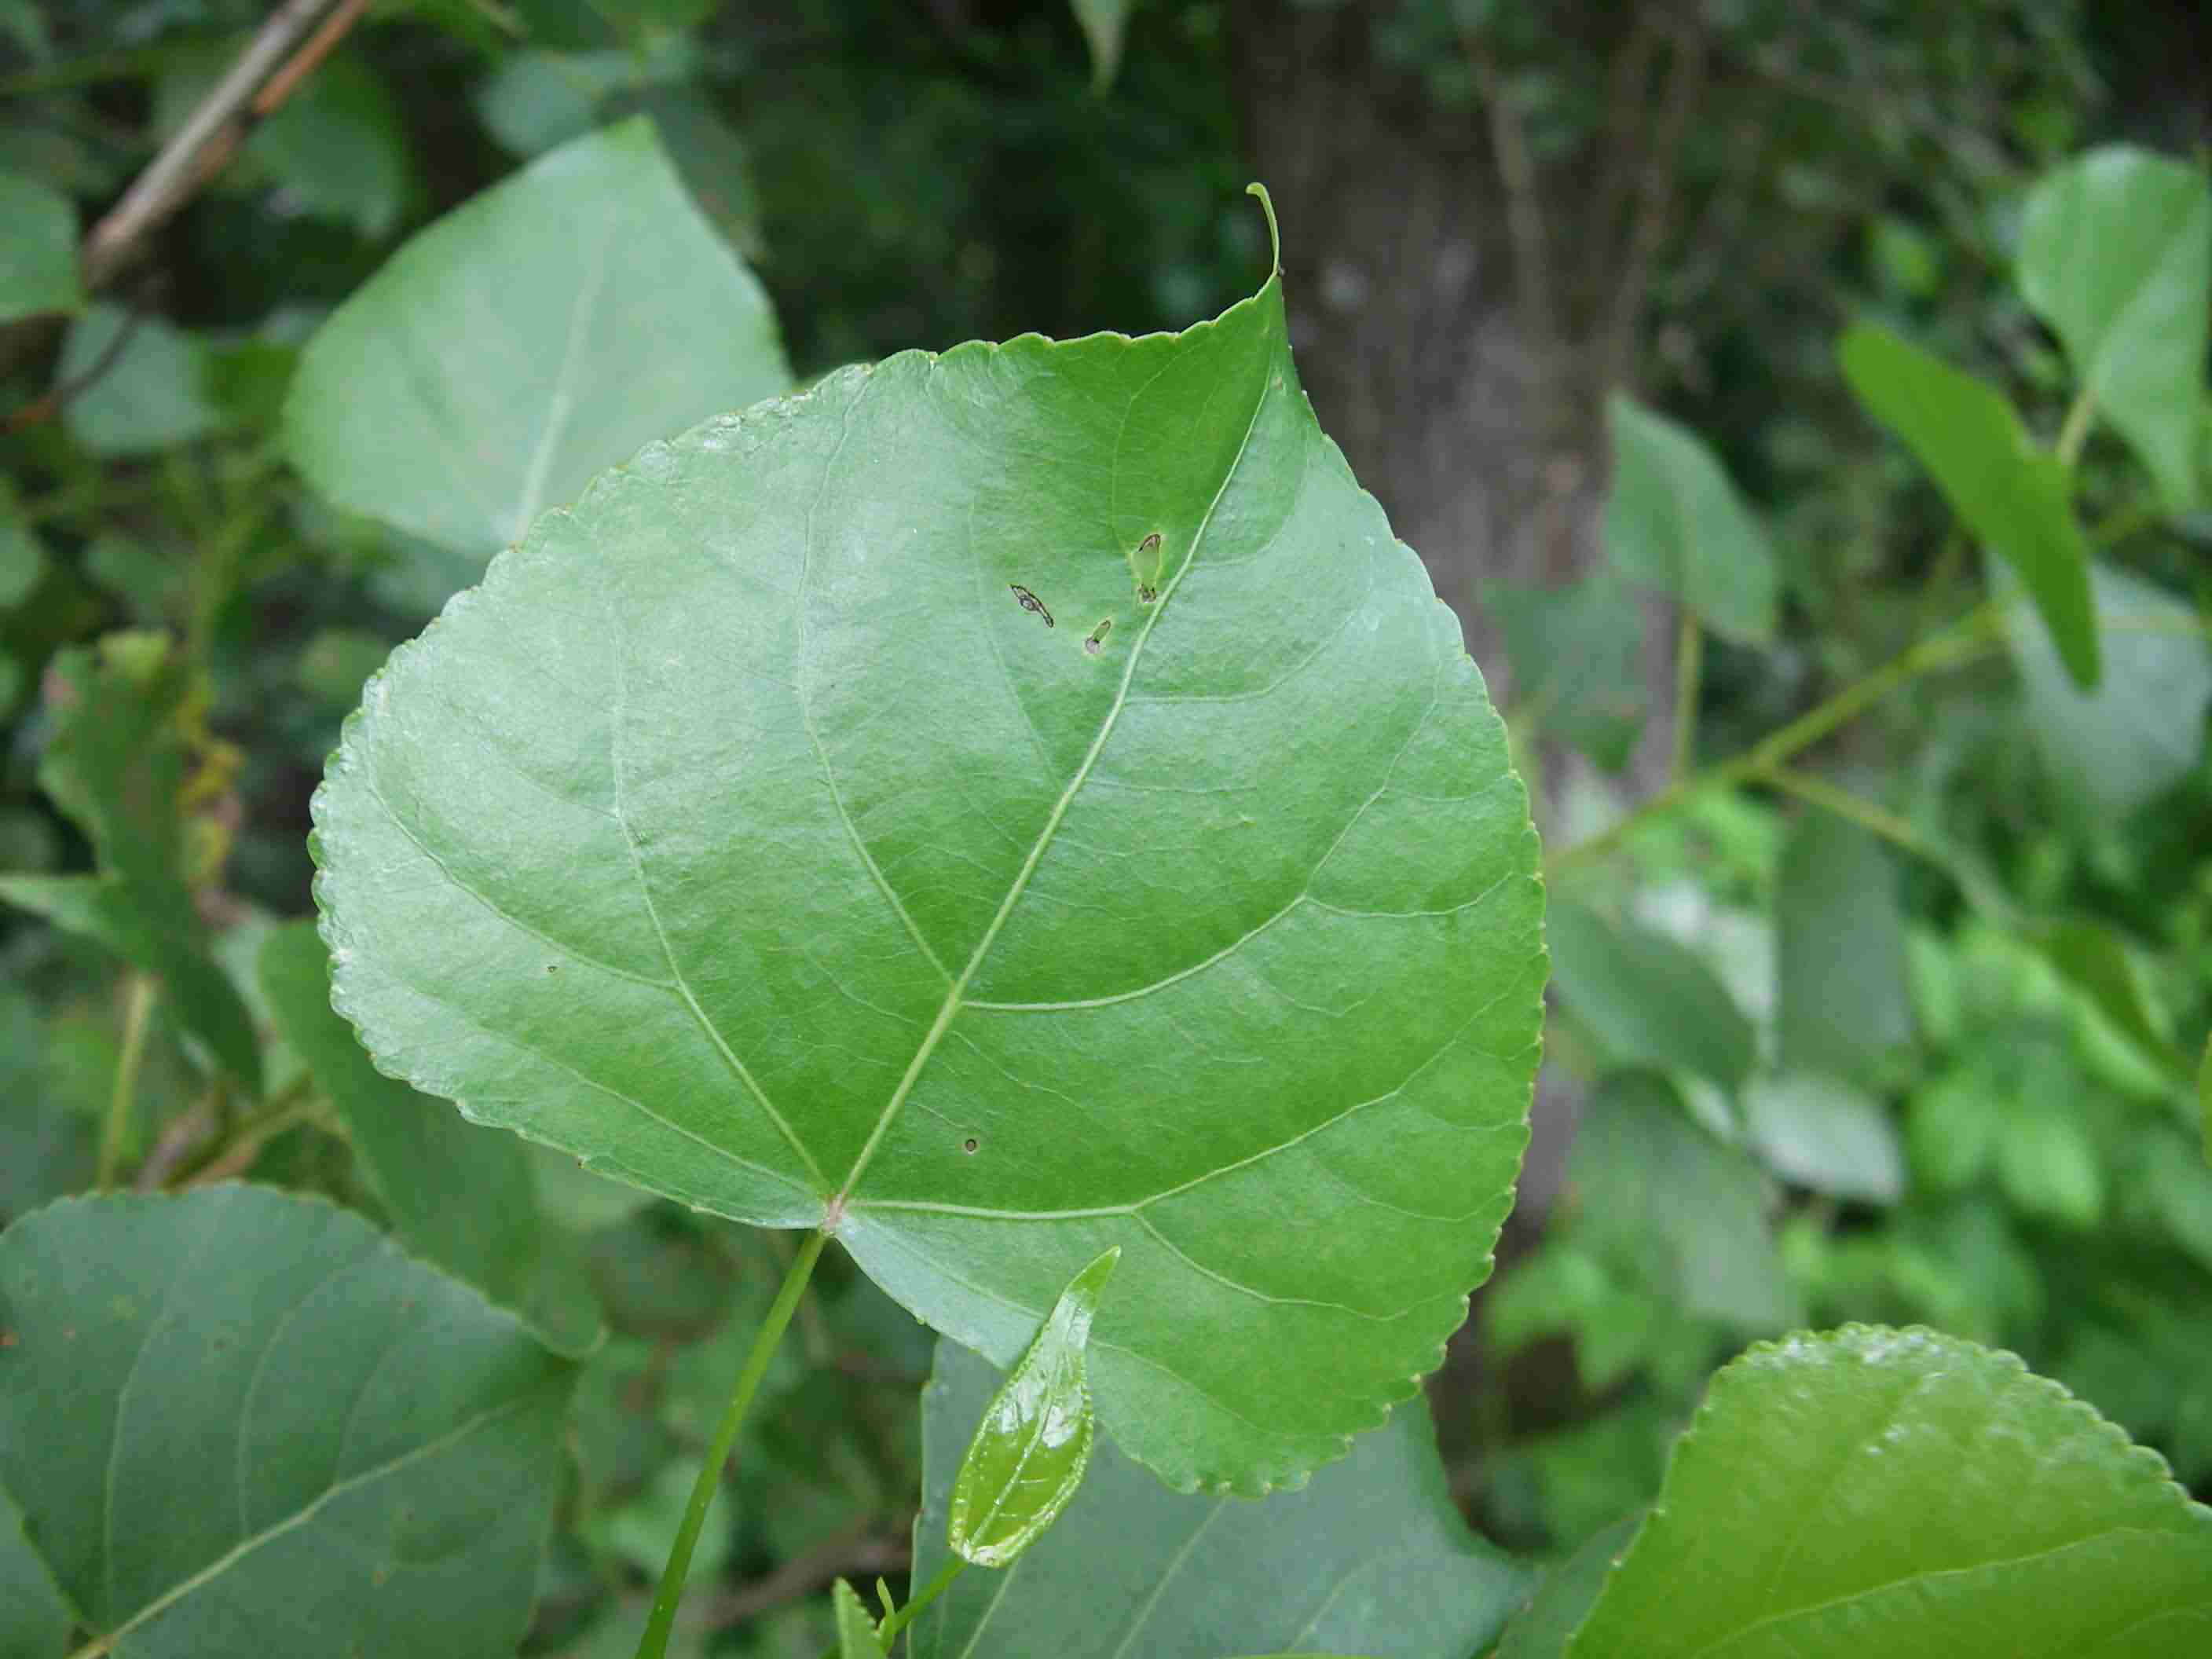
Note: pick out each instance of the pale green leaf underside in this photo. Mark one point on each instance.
(1899, 1492)
(745, 835)
(1371, 1558)
(526, 342)
(38, 249)
(237, 1420)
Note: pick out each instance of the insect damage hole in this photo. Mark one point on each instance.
(1145, 565)
(969, 1144)
(1030, 602)
(1098, 636)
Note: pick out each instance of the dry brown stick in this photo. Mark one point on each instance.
(176, 175)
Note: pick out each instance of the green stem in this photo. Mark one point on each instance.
(2075, 432)
(142, 992)
(929, 1592)
(1689, 649)
(288, 1106)
(1968, 638)
(1875, 820)
(654, 1642)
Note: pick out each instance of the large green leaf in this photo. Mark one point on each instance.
(1563, 1599)
(240, 1421)
(2116, 255)
(2141, 731)
(38, 249)
(785, 829)
(1669, 1206)
(528, 340)
(1839, 949)
(1673, 521)
(1576, 652)
(1371, 1558)
(1647, 999)
(2014, 498)
(1907, 1494)
(463, 1196)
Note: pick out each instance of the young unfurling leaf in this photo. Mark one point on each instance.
(1030, 1451)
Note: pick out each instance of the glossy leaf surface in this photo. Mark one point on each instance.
(2140, 731)
(2116, 255)
(1648, 1000)
(2013, 497)
(167, 1427)
(1028, 1453)
(1371, 1557)
(1898, 1493)
(747, 834)
(526, 341)
(1673, 522)
(1840, 948)
(463, 1196)
(38, 249)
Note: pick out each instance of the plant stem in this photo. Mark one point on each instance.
(928, 1592)
(283, 1109)
(1689, 649)
(141, 993)
(2075, 431)
(1968, 638)
(654, 1642)
(1875, 820)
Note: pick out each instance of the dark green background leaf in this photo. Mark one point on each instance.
(1839, 949)
(1370, 1558)
(38, 249)
(1675, 522)
(1645, 998)
(2014, 499)
(236, 1411)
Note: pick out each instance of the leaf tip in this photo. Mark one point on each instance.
(1274, 230)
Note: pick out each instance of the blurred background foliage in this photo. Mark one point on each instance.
(1927, 1062)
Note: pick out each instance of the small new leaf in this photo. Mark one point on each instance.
(856, 1631)
(1031, 1449)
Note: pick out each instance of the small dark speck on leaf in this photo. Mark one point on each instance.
(552, 967)
(968, 1144)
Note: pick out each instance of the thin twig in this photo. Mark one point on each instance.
(47, 407)
(1689, 651)
(852, 1555)
(140, 993)
(176, 175)
(1517, 174)
(1654, 191)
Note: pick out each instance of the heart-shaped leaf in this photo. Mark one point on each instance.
(237, 1420)
(2014, 499)
(1371, 1558)
(994, 806)
(1908, 1494)
(2116, 255)
(528, 340)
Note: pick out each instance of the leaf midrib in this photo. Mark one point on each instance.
(954, 995)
